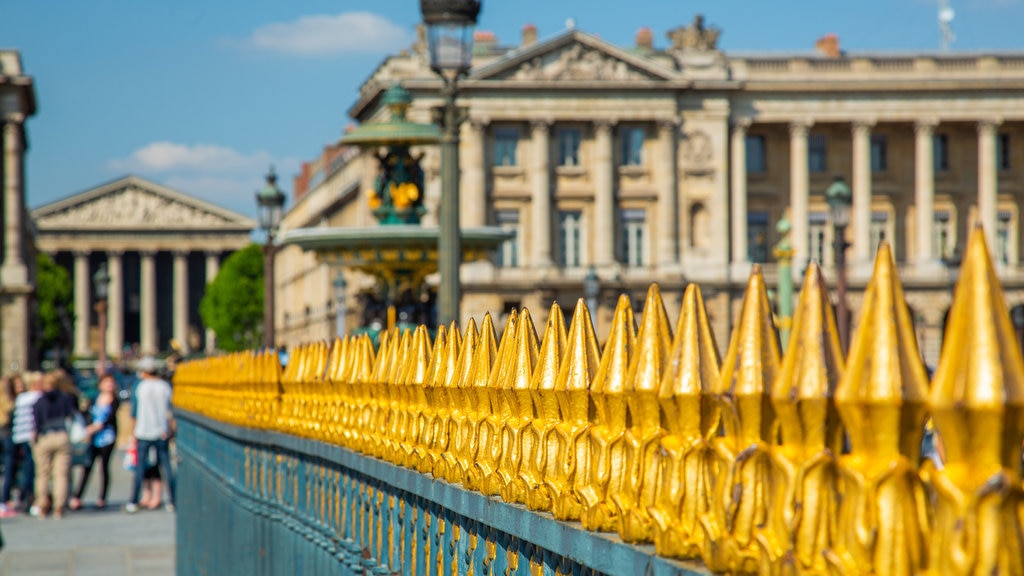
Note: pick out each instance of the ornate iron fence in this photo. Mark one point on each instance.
(808, 462)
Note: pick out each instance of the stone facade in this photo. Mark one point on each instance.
(17, 272)
(161, 247)
(674, 165)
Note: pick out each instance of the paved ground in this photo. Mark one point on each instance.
(92, 542)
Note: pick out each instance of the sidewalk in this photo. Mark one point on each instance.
(92, 542)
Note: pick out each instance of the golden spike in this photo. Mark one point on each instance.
(881, 398)
(567, 444)
(977, 403)
(339, 356)
(608, 424)
(450, 466)
(520, 409)
(804, 505)
(392, 400)
(447, 395)
(482, 475)
(426, 425)
(750, 366)
(688, 463)
(546, 417)
(416, 401)
(478, 397)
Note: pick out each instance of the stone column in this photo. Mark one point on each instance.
(988, 180)
(924, 193)
(738, 184)
(604, 194)
(668, 198)
(83, 306)
(147, 299)
(540, 177)
(862, 255)
(473, 185)
(14, 271)
(181, 299)
(799, 185)
(115, 304)
(212, 269)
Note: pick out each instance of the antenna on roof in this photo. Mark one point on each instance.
(946, 15)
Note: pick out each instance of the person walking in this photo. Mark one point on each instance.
(23, 425)
(102, 430)
(154, 427)
(8, 395)
(52, 446)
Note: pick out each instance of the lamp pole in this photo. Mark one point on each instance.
(450, 37)
(339, 300)
(270, 201)
(840, 199)
(783, 253)
(591, 292)
(101, 283)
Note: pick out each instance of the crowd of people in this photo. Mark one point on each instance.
(47, 425)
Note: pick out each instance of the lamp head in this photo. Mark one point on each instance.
(270, 201)
(101, 281)
(450, 32)
(839, 199)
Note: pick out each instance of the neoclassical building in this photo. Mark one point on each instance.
(673, 164)
(161, 247)
(17, 271)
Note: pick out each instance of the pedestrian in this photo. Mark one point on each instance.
(152, 485)
(154, 427)
(102, 431)
(23, 426)
(52, 445)
(8, 395)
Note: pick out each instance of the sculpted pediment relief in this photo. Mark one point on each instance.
(133, 207)
(576, 62)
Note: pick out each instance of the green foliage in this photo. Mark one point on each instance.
(233, 304)
(54, 298)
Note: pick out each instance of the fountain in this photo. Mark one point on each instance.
(400, 252)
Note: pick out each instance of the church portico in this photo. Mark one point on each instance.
(160, 248)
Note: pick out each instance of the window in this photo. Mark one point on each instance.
(879, 154)
(942, 235)
(1003, 237)
(816, 152)
(817, 237)
(506, 140)
(1003, 152)
(879, 230)
(755, 154)
(569, 147)
(634, 237)
(508, 254)
(570, 235)
(632, 146)
(758, 247)
(940, 152)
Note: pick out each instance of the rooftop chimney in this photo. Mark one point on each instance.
(645, 39)
(529, 34)
(828, 46)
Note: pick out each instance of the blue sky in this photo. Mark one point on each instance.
(202, 95)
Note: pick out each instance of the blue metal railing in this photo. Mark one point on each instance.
(261, 503)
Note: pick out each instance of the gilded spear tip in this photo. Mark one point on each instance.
(652, 343)
(467, 356)
(612, 374)
(752, 360)
(545, 373)
(524, 354)
(693, 364)
(582, 357)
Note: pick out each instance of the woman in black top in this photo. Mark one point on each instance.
(102, 430)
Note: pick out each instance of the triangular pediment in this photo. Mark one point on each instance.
(133, 203)
(573, 56)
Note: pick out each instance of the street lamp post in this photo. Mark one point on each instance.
(840, 199)
(450, 38)
(591, 291)
(784, 294)
(339, 301)
(101, 283)
(270, 200)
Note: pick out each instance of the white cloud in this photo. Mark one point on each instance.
(218, 174)
(326, 34)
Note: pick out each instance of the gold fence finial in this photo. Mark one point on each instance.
(687, 397)
(427, 421)
(518, 397)
(451, 467)
(568, 441)
(633, 491)
(802, 522)
(749, 368)
(546, 415)
(881, 398)
(608, 426)
(482, 475)
(977, 402)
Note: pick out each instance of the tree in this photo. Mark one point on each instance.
(55, 302)
(233, 304)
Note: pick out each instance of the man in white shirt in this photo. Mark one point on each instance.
(154, 426)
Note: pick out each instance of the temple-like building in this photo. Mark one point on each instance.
(673, 163)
